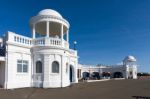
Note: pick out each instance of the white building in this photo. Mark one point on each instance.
(45, 59)
(127, 70)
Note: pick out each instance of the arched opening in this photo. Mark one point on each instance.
(95, 75)
(55, 67)
(118, 75)
(38, 67)
(86, 75)
(106, 74)
(130, 75)
(71, 73)
(38, 77)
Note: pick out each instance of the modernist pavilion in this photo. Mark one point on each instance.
(45, 59)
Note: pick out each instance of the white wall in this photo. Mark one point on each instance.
(15, 79)
(132, 69)
(63, 57)
(102, 69)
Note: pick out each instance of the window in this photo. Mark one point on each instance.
(22, 66)
(38, 67)
(55, 67)
(23, 40)
(15, 38)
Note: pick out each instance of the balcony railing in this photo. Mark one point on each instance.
(55, 42)
(47, 42)
(43, 41)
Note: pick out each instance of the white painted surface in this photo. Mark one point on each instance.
(50, 12)
(2, 58)
(45, 49)
(128, 69)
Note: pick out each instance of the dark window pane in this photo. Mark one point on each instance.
(38, 67)
(25, 62)
(55, 67)
(19, 68)
(25, 68)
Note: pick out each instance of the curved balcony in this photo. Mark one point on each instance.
(42, 41)
(50, 41)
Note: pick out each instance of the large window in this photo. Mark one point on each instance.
(38, 67)
(22, 66)
(55, 67)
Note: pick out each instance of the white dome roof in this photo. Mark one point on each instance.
(130, 58)
(50, 12)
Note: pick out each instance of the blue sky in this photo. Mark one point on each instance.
(106, 30)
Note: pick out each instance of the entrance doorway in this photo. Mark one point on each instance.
(71, 73)
(39, 74)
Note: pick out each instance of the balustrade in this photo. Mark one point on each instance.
(43, 41)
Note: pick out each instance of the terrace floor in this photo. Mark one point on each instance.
(112, 89)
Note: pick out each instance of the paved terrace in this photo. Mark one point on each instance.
(112, 89)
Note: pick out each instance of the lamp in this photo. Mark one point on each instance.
(75, 43)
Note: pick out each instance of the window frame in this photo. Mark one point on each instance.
(55, 72)
(24, 66)
(41, 68)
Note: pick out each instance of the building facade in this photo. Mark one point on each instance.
(43, 60)
(46, 60)
(127, 70)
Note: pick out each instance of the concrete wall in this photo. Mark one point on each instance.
(131, 71)
(110, 69)
(124, 69)
(15, 79)
(2, 73)
(46, 55)
(65, 60)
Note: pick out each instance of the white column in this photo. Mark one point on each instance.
(46, 71)
(62, 34)
(62, 79)
(76, 72)
(33, 31)
(47, 29)
(68, 35)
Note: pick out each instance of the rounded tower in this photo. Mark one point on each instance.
(130, 65)
(52, 57)
(49, 23)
